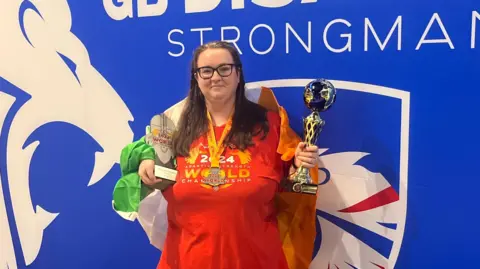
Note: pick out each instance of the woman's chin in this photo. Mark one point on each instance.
(218, 97)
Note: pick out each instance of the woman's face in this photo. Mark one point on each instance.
(218, 85)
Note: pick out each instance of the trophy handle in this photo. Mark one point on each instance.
(301, 181)
(312, 127)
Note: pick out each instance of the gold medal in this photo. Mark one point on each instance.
(215, 177)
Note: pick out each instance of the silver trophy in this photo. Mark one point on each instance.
(160, 138)
(318, 96)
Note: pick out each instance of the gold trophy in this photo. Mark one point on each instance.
(318, 96)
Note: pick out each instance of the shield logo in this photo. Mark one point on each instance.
(363, 148)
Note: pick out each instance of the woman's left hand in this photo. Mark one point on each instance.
(306, 156)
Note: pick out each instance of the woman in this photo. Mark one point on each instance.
(221, 210)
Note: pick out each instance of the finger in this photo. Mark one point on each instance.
(307, 161)
(307, 165)
(302, 145)
(311, 149)
(306, 154)
(143, 176)
(151, 175)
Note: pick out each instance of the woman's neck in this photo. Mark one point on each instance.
(220, 112)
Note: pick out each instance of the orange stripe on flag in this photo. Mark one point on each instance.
(297, 212)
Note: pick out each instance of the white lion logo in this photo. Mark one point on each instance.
(42, 57)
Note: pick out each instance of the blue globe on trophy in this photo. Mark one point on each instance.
(319, 95)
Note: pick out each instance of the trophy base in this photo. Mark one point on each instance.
(305, 188)
(299, 187)
(167, 175)
(299, 182)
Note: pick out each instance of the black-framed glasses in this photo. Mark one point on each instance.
(223, 70)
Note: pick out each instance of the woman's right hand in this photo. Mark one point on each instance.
(146, 172)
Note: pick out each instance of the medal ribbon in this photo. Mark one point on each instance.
(216, 149)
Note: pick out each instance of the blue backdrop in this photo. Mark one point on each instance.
(81, 79)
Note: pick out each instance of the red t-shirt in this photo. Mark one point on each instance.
(235, 226)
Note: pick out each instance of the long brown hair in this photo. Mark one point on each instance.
(249, 118)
